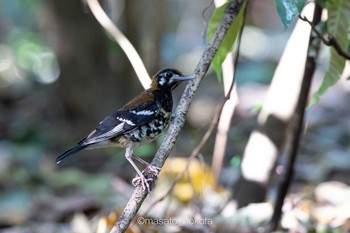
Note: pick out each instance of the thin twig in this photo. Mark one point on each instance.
(205, 23)
(123, 42)
(327, 39)
(175, 126)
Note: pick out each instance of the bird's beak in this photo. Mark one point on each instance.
(182, 77)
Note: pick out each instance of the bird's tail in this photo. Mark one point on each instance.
(70, 152)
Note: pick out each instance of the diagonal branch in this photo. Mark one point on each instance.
(123, 42)
(175, 126)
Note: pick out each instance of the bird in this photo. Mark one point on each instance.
(138, 122)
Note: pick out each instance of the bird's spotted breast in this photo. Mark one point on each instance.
(151, 130)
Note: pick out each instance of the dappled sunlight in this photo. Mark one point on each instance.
(25, 58)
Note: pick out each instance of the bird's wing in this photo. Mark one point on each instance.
(122, 121)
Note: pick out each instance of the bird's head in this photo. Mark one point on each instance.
(168, 79)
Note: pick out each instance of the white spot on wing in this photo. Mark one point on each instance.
(129, 122)
(143, 112)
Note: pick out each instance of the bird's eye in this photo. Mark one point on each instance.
(168, 74)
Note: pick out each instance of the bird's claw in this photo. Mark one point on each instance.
(143, 181)
(155, 170)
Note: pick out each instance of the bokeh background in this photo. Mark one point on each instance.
(60, 74)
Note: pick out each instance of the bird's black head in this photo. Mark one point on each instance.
(168, 79)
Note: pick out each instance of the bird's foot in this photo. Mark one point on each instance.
(144, 181)
(154, 169)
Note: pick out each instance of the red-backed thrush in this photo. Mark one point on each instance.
(138, 122)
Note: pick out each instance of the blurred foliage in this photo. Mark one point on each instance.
(230, 38)
(25, 58)
(289, 10)
(194, 181)
(32, 56)
(338, 24)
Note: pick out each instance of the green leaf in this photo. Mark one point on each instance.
(338, 25)
(288, 10)
(230, 37)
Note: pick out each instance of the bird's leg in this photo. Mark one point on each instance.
(144, 181)
(149, 166)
